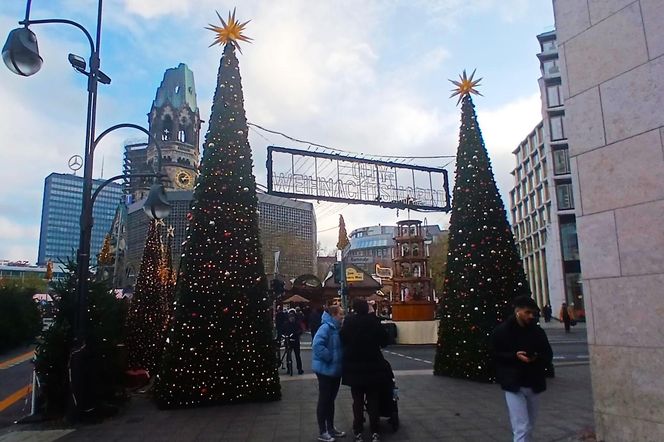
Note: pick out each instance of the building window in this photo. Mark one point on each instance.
(564, 195)
(553, 96)
(550, 67)
(549, 45)
(560, 162)
(569, 242)
(539, 135)
(557, 128)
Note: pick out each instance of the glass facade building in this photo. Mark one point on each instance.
(542, 200)
(61, 211)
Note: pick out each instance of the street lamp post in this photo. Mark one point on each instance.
(21, 55)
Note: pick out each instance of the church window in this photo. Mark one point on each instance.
(167, 128)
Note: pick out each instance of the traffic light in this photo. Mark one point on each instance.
(338, 275)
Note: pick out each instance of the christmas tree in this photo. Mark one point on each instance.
(147, 314)
(105, 257)
(167, 274)
(484, 271)
(220, 347)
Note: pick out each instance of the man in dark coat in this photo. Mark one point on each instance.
(521, 352)
(364, 369)
(315, 321)
(292, 331)
(280, 320)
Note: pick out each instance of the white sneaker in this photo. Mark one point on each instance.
(358, 437)
(325, 437)
(375, 437)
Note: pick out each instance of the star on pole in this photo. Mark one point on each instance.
(466, 86)
(171, 231)
(230, 31)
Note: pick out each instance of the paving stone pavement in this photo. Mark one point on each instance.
(430, 409)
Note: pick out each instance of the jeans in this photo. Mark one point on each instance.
(372, 397)
(328, 387)
(522, 406)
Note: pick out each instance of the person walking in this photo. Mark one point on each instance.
(292, 330)
(565, 317)
(315, 320)
(364, 369)
(521, 352)
(546, 312)
(326, 363)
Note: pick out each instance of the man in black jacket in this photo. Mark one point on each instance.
(521, 352)
(364, 368)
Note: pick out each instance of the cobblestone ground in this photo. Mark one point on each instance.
(430, 409)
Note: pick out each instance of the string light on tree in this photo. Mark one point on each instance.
(484, 271)
(148, 311)
(220, 347)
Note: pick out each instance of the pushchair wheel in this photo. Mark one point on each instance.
(394, 421)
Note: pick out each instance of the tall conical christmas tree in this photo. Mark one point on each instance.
(484, 271)
(147, 313)
(220, 347)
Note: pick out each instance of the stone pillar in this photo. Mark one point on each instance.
(612, 54)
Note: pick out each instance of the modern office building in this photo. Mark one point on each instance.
(286, 226)
(61, 211)
(542, 200)
(530, 206)
(375, 245)
(15, 272)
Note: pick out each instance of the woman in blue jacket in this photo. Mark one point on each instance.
(326, 350)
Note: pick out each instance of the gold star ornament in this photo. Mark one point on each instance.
(466, 86)
(230, 31)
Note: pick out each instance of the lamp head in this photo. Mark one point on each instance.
(156, 205)
(20, 52)
(77, 62)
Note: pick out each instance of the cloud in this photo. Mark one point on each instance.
(370, 81)
(16, 240)
(503, 129)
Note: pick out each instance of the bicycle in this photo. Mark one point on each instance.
(287, 354)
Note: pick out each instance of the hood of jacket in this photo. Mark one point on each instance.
(329, 319)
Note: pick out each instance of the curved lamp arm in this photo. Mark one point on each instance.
(131, 126)
(27, 23)
(119, 177)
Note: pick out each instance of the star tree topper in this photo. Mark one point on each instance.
(466, 86)
(230, 31)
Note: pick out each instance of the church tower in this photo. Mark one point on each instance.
(174, 121)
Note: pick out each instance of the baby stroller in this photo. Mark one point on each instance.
(389, 407)
(388, 400)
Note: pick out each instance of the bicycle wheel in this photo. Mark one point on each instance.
(280, 360)
(289, 364)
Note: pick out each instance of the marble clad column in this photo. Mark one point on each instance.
(612, 62)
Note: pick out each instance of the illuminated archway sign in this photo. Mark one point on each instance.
(294, 173)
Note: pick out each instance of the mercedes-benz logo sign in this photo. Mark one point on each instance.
(75, 162)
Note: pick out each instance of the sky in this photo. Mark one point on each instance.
(368, 77)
